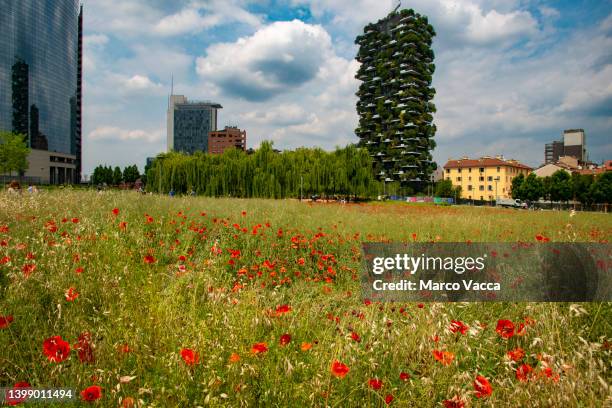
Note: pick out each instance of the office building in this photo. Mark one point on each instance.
(572, 144)
(189, 123)
(485, 178)
(394, 107)
(40, 73)
(230, 137)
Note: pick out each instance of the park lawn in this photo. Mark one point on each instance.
(229, 302)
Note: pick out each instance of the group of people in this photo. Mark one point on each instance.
(15, 188)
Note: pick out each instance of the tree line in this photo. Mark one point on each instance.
(114, 177)
(562, 187)
(266, 173)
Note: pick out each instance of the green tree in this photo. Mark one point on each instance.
(581, 184)
(131, 174)
(13, 153)
(531, 189)
(560, 186)
(517, 183)
(601, 190)
(444, 188)
(117, 176)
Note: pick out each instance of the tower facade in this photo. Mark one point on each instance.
(40, 74)
(189, 123)
(394, 107)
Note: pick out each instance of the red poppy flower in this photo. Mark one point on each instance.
(306, 346)
(190, 357)
(355, 337)
(91, 393)
(79, 270)
(4, 228)
(549, 373)
(12, 401)
(75, 220)
(444, 357)
(122, 225)
(149, 259)
(5, 321)
(115, 211)
(234, 358)
(259, 348)
(301, 261)
(285, 339)
(482, 387)
(339, 369)
(455, 402)
(389, 399)
(56, 349)
(375, 383)
(28, 269)
(283, 309)
(149, 219)
(4, 260)
(71, 294)
(404, 376)
(517, 354)
(523, 372)
(505, 328)
(85, 351)
(458, 326)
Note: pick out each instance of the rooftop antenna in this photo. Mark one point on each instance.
(399, 4)
(171, 90)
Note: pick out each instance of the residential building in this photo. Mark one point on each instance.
(221, 140)
(41, 72)
(573, 144)
(485, 178)
(189, 123)
(394, 106)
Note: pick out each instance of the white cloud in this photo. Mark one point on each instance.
(141, 83)
(277, 58)
(110, 133)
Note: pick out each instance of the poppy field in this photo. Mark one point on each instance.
(140, 300)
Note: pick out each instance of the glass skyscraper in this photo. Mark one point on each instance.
(189, 123)
(40, 76)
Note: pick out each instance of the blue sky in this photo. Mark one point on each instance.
(511, 74)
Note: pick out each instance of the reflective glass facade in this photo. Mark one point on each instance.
(40, 59)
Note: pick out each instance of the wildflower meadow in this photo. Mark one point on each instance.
(144, 300)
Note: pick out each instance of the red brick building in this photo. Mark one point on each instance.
(220, 140)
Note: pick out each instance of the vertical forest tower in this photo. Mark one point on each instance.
(394, 107)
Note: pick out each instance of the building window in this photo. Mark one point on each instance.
(447, 171)
(481, 198)
(490, 188)
(498, 169)
(481, 169)
(470, 170)
(470, 187)
(458, 178)
(490, 178)
(481, 178)
(481, 188)
(470, 178)
(459, 170)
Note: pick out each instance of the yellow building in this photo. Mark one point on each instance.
(485, 178)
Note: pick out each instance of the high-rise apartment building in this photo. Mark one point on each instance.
(572, 144)
(394, 107)
(40, 74)
(189, 123)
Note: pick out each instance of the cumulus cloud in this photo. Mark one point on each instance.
(274, 60)
(141, 83)
(112, 133)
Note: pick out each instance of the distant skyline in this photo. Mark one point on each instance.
(510, 75)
